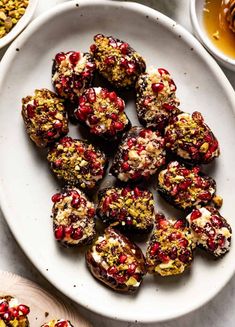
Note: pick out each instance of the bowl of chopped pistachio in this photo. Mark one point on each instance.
(14, 17)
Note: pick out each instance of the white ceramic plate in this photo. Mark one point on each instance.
(27, 184)
(43, 306)
(23, 22)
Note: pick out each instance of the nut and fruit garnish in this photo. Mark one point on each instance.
(45, 117)
(73, 217)
(170, 250)
(58, 323)
(102, 112)
(156, 101)
(140, 154)
(77, 162)
(116, 261)
(13, 314)
(117, 61)
(72, 73)
(210, 230)
(185, 187)
(131, 208)
(10, 13)
(191, 139)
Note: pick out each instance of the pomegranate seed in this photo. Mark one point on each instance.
(185, 172)
(205, 196)
(63, 323)
(24, 309)
(56, 197)
(104, 93)
(196, 170)
(58, 163)
(93, 120)
(112, 43)
(131, 68)
(168, 106)
(162, 223)
(184, 243)
(106, 203)
(3, 307)
(14, 312)
(136, 175)
(173, 253)
(68, 230)
(82, 100)
(137, 191)
(30, 110)
(7, 316)
(163, 71)
(89, 154)
(125, 166)
(125, 191)
(118, 125)
(122, 258)
(91, 212)
(59, 232)
(77, 234)
(100, 247)
(74, 58)
(144, 132)
(112, 270)
(113, 96)
(172, 85)
(175, 190)
(60, 57)
(195, 214)
(114, 117)
(216, 222)
(211, 244)
(58, 124)
(221, 240)
(75, 202)
(184, 185)
(109, 60)
(163, 256)
(121, 279)
(124, 48)
(154, 249)
(157, 87)
(175, 236)
(50, 134)
(131, 269)
(91, 95)
(179, 224)
(185, 256)
(85, 110)
(93, 48)
(214, 146)
(73, 218)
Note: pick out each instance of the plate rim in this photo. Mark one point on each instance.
(190, 39)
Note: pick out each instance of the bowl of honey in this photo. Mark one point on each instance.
(214, 25)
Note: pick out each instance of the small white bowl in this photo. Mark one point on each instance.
(196, 14)
(22, 23)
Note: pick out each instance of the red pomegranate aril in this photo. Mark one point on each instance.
(75, 202)
(24, 309)
(59, 232)
(63, 323)
(168, 106)
(77, 234)
(118, 125)
(91, 95)
(157, 87)
(196, 170)
(212, 244)
(112, 270)
(106, 203)
(125, 192)
(99, 247)
(112, 96)
(124, 48)
(58, 163)
(131, 269)
(221, 240)
(184, 185)
(185, 256)
(85, 109)
(162, 223)
(14, 312)
(163, 257)
(175, 236)
(120, 104)
(3, 307)
(51, 134)
(122, 258)
(60, 57)
(113, 43)
(195, 214)
(155, 247)
(93, 48)
(109, 60)
(173, 86)
(30, 110)
(173, 253)
(163, 71)
(183, 243)
(216, 222)
(114, 117)
(74, 58)
(57, 124)
(56, 197)
(121, 279)
(205, 196)
(125, 166)
(7, 316)
(91, 212)
(124, 62)
(137, 191)
(179, 224)
(93, 120)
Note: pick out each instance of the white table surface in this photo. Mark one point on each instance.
(220, 312)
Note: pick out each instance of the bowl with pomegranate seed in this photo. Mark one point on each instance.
(156, 100)
(102, 112)
(117, 61)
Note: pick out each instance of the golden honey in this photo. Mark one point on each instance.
(217, 26)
